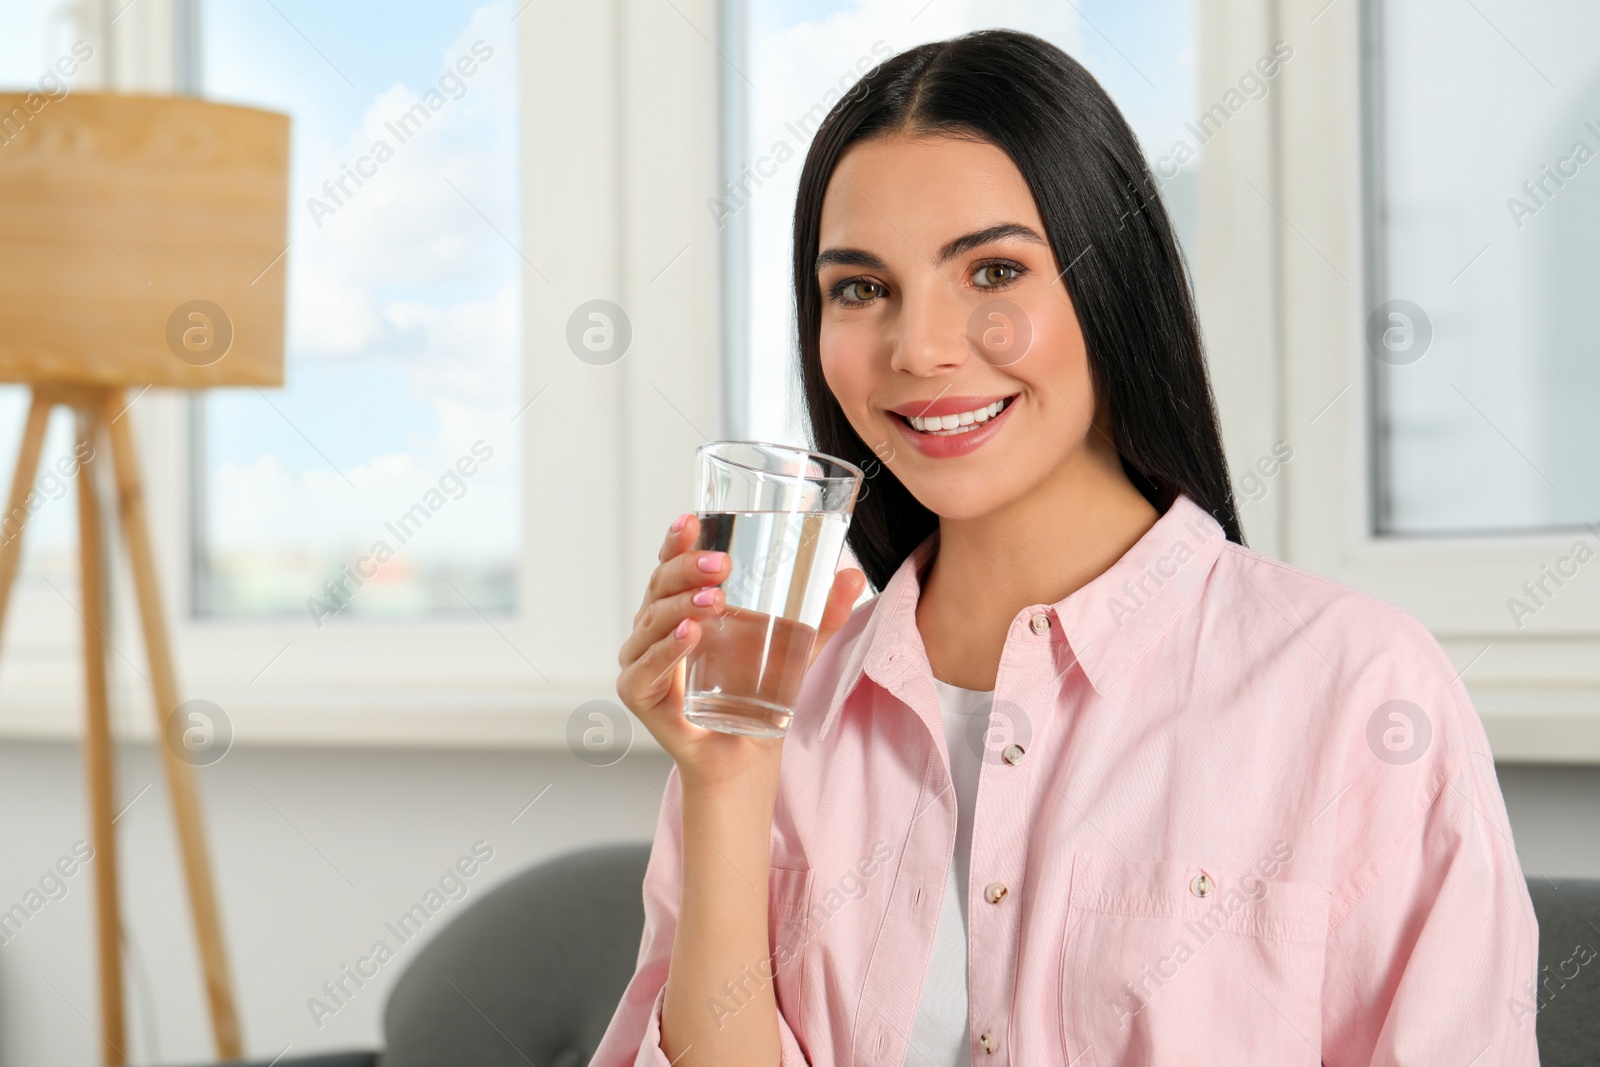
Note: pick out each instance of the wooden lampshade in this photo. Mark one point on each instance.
(143, 240)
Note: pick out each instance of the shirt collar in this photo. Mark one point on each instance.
(1109, 623)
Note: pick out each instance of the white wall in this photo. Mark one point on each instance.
(389, 821)
(1553, 818)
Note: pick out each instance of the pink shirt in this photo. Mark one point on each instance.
(1229, 813)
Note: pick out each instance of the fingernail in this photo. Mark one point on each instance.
(712, 561)
(682, 631)
(679, 522)
(702, 599)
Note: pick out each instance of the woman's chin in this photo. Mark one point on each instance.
(961, 503)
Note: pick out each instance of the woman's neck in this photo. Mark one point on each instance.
(1038, 550)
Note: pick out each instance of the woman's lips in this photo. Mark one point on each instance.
(948, 446)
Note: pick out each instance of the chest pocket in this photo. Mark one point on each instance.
(788, 900)
(1163, 960)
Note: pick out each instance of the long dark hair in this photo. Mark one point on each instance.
(1105, 222)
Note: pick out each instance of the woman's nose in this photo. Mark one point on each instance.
(933, 331)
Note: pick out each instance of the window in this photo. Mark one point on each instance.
(1312, 200)
(594, 185)
(406, 361)
(1439, 457)
(1485, 204)
(392, 453)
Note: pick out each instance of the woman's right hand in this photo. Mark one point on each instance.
(681, 594)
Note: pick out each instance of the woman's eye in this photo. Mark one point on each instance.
(857, 291)
(995, 274)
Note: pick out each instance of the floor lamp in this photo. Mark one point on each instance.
(142, 243)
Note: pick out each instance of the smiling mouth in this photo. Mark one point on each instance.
(959, 423)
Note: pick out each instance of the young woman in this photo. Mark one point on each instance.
(1088, 782)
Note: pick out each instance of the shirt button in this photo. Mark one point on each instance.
(986, 1039)
(1202, 885)
(1041, 624)
(995, 893)
(1012, 754)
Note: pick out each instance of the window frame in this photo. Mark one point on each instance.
(638, 156)
(1303, 376)
(635, 234)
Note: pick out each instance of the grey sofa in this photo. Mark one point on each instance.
(1569, 989)
(529, 973)
(532, 971)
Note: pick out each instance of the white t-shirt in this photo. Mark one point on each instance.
(941, 1035)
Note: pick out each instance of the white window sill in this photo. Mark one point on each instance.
(420, 719)
(1554, 725)
(1542, 726)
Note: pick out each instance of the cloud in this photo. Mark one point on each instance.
(413, 230)
(405, 280)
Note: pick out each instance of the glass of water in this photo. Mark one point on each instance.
(781, 514)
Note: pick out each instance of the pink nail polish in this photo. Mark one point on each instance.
(712, 561)
(679, 522)
(702, 599)
(682, 631)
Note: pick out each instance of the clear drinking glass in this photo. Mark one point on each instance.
(780, 514)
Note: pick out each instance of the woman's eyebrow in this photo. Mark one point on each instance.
(855, 257)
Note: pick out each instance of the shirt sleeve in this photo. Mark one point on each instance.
(1433, 946)
(633, 1038)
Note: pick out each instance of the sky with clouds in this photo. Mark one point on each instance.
(404, 319)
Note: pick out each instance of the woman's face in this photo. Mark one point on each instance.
(941, 298)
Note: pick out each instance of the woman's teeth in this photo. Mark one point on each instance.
(947, 425)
